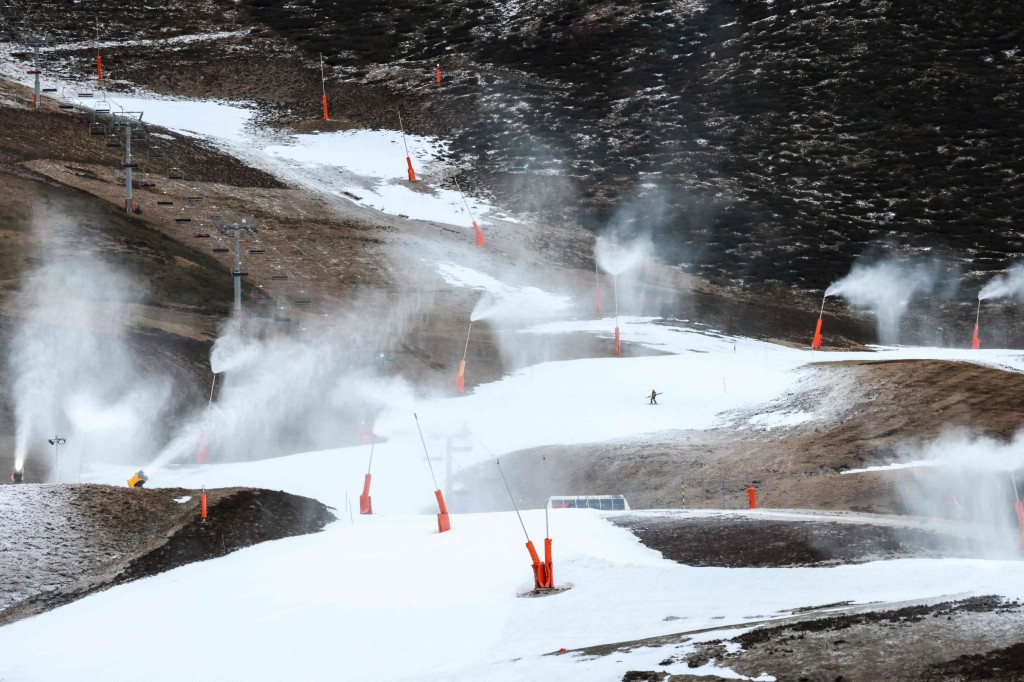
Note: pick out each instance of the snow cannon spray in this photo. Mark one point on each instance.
(443, 522)
(201, 452)
(886, 288)
(816, 341)
(460, 381)
(615, 259)
(365, 503)
(476, 226)
(408, 159)
(597, 289)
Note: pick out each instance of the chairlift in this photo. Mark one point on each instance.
(201, 235)
(48, 90)
(279, 278)
(221, 249)
(257, 251)
(65, 104)
(278, 318)
(304, 303)
(194, 200)
(182, 220)
(97, 129)
(165, 203)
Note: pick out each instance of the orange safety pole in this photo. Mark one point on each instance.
(408, 159)
(752, 497)
(479, 234)
(975, 341)
(323, 84)
(438, 74)
(460, 381)
(365, 502)
(202, 504)
(443, 522)
(549, 563)
(816, 342)
(99, 67)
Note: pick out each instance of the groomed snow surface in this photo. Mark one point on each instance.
(387, 597)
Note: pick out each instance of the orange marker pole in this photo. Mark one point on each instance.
(443, 522)
(365, 501)
(202, 505)
(323, 84)
(476, 227)
(438, 74)
(408, 159)
(975, 341)
(752, 498)
(99, 60)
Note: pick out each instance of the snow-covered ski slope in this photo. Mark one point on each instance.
(387, 597)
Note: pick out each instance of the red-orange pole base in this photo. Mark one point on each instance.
(816, 342)
(618, 345)
(443, 522)
(325, 107)
(460, 381)
(479, 234)
(202, 507)
(975, 341)
(365, 503)
(438, 75)
(412, 173)
(752, 498)
(99, 67)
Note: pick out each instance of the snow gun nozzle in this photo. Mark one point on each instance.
(138, 479)
(17, 476)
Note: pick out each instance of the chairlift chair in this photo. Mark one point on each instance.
(48, 90)
(113, 141)
(221, 249)
(303, 303)
(201, 235)
(182, 220)
(279, 278)
(257, 251)
(164, 202)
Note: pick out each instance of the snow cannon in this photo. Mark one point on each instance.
(816, 341)
(17, 476)
(365, 501)
(138, 479)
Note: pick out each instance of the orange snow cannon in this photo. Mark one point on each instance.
(443, 522)
(816, 342)
(138, 479)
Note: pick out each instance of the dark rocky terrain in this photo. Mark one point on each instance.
(758, 141)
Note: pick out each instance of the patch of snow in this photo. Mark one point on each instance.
(893, 467)
(182, 500)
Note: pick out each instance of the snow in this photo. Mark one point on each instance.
(183, 499)
(388, 597)
(892, 467)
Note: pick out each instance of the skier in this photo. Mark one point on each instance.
(654, 397)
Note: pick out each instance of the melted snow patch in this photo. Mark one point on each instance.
(182, 500)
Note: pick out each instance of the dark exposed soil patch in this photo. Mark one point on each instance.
(62, 543)
(743, 541)
(970, 639)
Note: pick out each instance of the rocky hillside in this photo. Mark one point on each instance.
(757, 140)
